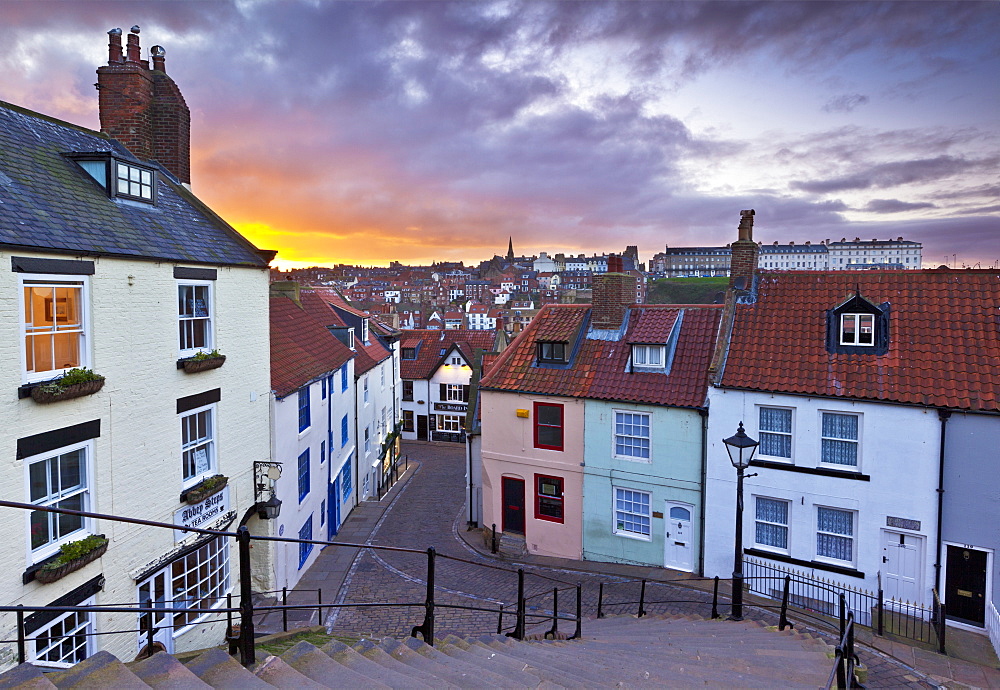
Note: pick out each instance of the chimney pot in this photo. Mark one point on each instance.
(132, 51)
(158, 54)
(115, 46)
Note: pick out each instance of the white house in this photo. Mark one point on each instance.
(312, 434)
(845, 379)
(114, 266)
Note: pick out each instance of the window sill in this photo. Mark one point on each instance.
(817, 565)
(819, 471)
(630, 535)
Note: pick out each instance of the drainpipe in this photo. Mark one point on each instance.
(704, 472)
(944, 416)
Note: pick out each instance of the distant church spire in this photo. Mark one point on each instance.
(510, 249)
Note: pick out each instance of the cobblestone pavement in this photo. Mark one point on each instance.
(429, 512)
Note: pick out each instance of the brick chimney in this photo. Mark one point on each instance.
(743, 261)
(613, 292)
(142, 107)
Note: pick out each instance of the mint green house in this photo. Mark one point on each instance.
(644, 439)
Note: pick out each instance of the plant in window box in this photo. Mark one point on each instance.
(205, 488)
(202, 361)
(74, 555)
(75, 383)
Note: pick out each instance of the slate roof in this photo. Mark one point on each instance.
(49, 203)
(429, 356)
(944, 338)
(302, 349)
(598, 369)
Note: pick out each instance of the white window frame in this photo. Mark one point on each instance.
(622, 532)
(365, 381)
(212, 444)
(210, 319)
(218, 593)
(454, 392)
(615, 436)
(641, 358)
(787, 525)
(87, 625)
(449, 423)
(52, 546)
(368, 440)
(790, 434)
(52, 280)
(856, 467)
(364, 331)
(853, 536)
(856, 318)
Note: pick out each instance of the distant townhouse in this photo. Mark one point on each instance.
(869, 393)
(435, 369)
(823, 256)
(115, 267)
(312, 427)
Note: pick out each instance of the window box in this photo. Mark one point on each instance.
(74, 556)
(75, 383)
(203, 361)
(203, 489)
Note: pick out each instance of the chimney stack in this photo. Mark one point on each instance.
(743, 260)
(143, 108)
(613, 292)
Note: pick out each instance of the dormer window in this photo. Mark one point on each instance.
(120, 179)
(857, 329)
(648, 356)
(350, 338)
(552, 353)
(364, 330)
(409, 353)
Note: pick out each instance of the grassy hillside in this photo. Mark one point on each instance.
(685, 290)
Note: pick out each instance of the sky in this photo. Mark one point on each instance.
(370, 132)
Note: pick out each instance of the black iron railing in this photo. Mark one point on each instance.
(845, 659)
(239, 618)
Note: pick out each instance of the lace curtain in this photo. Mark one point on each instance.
(775, 444)
(830, 525)
(767, 533)
(835, 428)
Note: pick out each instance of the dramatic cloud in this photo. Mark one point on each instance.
(377, 131)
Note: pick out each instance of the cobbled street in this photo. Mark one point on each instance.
(429, 511)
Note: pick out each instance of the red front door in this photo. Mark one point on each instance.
(512, 494)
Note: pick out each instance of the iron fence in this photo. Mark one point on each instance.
(240, 609)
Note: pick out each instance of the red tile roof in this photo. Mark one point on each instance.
(302, 349)
(944, 339)
(598, 369)
(429, 355)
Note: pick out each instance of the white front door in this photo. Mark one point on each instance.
(902, 558)
(154, 589)
(677, 541)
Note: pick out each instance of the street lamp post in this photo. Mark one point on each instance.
(741, 449)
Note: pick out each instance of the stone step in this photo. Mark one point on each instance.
(276, 672)
(100, 670)
(477, 674)
(25, 677)
(502, 665)
(164, 672)
(443, 668)
(346, 656)
(371, 651)
(220, 670)
(569, 666)
(308, 660)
